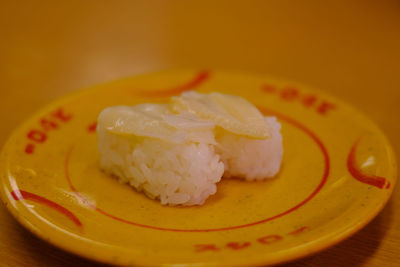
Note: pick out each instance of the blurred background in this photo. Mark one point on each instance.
(350, 49)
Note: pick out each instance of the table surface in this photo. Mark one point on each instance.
(350, 49)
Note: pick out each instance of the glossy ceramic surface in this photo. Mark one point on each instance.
(337, 174)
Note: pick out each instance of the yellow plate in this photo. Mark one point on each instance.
(338, 172)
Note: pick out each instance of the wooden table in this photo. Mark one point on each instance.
(350, 49)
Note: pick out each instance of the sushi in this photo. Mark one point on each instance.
(250, 145)
(177, 152)
(170, 157)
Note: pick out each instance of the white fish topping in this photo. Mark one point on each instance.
(232, 113)
(157, 121)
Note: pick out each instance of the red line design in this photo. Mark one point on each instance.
(357, 173)
(265, 111)
(205, 247)
(200, 78)
(269, 239)
(20, 194)
(29, 149)
(299, 231)
(92, 127)
(388, 185)
(267, 88)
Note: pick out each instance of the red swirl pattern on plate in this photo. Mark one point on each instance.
(200, 78)
(20, 194)
(355, 172)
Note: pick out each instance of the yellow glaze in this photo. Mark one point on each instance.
(338, 172)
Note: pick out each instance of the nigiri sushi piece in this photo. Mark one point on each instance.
(250, 145)
(170, 157)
